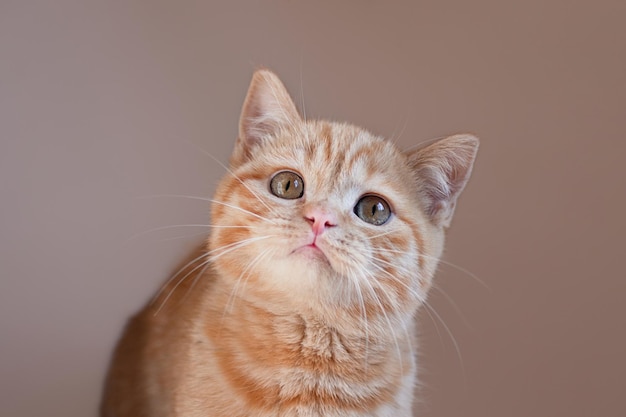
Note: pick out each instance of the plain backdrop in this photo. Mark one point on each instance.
(105, 106)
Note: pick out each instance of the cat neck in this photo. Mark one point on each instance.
(309, 335)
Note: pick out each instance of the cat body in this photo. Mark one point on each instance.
(324, 243)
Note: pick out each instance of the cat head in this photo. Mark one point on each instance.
(327, 215)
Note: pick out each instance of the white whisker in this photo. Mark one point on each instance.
(391, 327)
(388, 232)
(173, 226)
(180, 281)
(355, 282)
(243, 210)
(302, 91)
(195, 280)
(432, 319)
(454, 342)
(231, 172)
(244, 273)
(236, 245)
(393, 138)
(167, 239)
(395, 279)
(211, 200)
(191, 197)
(164, 286)
(459, 268)
(398, 267)
(453, 304)
(225, 249)
(444, 262)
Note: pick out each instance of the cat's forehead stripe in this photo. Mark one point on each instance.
(329, 152)
(326, 136)
(343, 148)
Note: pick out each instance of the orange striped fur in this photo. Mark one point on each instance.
(270, 324)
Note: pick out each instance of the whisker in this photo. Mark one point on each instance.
(195, 280)
(432, 319)
(180, 281)
(230, 303)
(191, 197)
(156, 229)
(167, 283)
(225, 249)
(444, 262)
(231, 172)
(454, 342)
(411, 290)
(388, 232)
(211, 200)
(453, 304)
(428, 307)
(354, 281)
(465, 271)
(398, 267)
(393, 138)
(302, 90)
(167, 239)
(391, 327)
(401, 252)
(243, 210)
(237, 245)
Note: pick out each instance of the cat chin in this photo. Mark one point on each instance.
(306, 272)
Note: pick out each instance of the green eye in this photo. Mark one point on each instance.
(373, 209)
(287, 184)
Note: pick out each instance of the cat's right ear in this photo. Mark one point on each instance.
(442, 169)
(267, 110)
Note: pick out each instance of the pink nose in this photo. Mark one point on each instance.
(319, 219)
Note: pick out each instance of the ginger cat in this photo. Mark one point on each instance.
(324, 243)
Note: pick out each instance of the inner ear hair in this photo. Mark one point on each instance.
(267, 109)
(442, 169)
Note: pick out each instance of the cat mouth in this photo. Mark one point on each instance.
(312, 251)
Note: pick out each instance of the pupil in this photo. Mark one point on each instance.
(377, 207)
(288, 185)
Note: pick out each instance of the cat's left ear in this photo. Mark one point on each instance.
(442, 170)
(267, 110)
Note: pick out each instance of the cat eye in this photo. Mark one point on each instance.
(287, 184)
(373, 209)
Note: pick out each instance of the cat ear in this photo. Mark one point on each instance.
(268, 108)
(442, 169)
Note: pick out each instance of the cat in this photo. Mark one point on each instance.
(324, 242)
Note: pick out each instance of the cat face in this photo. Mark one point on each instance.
(327, 215)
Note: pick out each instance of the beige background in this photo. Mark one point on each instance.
(105, 103)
